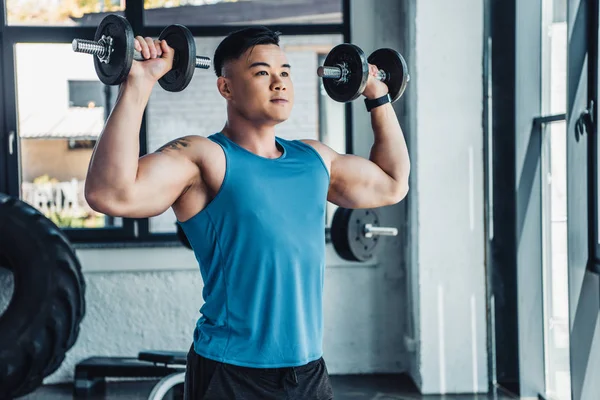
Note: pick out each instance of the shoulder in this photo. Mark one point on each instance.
(326, 152)
(193, 147)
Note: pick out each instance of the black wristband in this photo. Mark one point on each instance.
(372, 103)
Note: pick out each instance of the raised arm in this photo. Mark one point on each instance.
(118, 182)
(357, 182)
(381, 180)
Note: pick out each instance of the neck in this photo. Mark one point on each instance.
(254, 136)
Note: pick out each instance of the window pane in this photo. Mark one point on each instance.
(57, 12)
(232, 12)
(200, 109)
(554, 162)
(61, 109)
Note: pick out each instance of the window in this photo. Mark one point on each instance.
(60, 108)
(88, 94)
(56, 12)
(554, 201)
(224, 12)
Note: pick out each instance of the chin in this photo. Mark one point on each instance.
(278, 118)
(277, 121)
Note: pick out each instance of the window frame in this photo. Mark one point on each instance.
(133, 232)
(512, 364)
(592, 137)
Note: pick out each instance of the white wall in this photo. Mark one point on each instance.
(149, 299)
(449, 146)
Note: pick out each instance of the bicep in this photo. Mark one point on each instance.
(355, 182)
(161, 179)
(359, 183)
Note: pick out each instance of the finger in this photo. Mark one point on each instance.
(165, 47)
(151, 47)
(373, 70)
(144, 47)
(158, 48)
(137, 45)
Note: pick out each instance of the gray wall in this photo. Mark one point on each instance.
(450, 266)
(529, 201)
(442, 220)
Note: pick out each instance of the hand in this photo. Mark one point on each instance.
(158, 59)
(375, 88)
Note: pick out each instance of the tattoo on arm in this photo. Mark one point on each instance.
(176, 144)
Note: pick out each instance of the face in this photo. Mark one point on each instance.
(258, 85)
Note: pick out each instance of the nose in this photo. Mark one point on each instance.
(278, 84)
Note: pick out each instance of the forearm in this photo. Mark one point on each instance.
(114, 163)
(389, 149)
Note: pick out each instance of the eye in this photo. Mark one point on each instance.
(264, 73)
(285, 74)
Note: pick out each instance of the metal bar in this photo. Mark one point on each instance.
(329, 72)
(503, 247)
(2, 16)
(371, 231)
(134, 12)
(347, 38)
(44, 34)
(10, 140)
(548, 119)
(65, 34)
(592, 139)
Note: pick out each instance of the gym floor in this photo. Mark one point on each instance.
(346, 387)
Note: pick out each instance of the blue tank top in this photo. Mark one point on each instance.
(260, 245)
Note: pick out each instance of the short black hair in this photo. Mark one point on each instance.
(237, 42)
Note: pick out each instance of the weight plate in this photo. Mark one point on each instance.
(348, 235)
(356, 63)
(121, 58)
(182, 41)
(339, 233)
(394, 65)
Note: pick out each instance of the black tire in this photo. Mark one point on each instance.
(41, 322)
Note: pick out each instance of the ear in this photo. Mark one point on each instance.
(224, 87)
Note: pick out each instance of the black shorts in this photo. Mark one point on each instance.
(206, 379)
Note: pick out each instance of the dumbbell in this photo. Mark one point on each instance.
(113, 46)
(346, 70)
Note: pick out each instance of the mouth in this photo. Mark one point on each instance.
(279, 101)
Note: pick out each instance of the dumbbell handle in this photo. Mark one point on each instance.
(100, 50)
(370, 231)
(337, 73)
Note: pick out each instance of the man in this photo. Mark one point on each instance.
(253, 207)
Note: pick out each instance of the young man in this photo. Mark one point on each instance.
(253, 207)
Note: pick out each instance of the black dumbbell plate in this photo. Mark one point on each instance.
(121, 57)
(394, 65)
(182, 41)
(356, 62)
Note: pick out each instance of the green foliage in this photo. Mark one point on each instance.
(36, 12)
